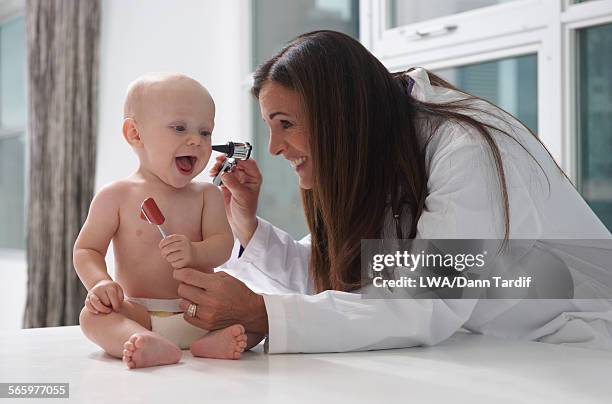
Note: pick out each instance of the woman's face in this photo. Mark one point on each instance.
(282, 110)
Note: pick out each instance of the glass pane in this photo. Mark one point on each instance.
(404, 12)
(595, 118)
(510, 83)
(271, 32)
(12, 180)
(12, 74)
(279, 201)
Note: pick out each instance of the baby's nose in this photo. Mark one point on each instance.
(194, 140)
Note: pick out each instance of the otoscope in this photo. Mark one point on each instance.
(233, 151)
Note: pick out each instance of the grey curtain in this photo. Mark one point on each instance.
(62, 41)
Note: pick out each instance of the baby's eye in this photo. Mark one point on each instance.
(205, 133)
(179, 128)
(286, 124)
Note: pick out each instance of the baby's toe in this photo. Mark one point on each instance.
(242, 344)
(237, 330)
(241, 337)
(137, 340)
(238, 347)
(129, 346)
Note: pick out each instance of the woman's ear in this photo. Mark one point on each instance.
(130, 132)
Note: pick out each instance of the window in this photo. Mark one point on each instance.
(279, 201)
(594, 81)
(510, 83)
(12, 134)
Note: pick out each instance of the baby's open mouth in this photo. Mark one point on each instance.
(186, 164)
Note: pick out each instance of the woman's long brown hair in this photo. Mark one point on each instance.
(364, 146)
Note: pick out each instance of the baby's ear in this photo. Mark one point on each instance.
(130, 132)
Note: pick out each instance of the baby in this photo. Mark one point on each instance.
(168, 122)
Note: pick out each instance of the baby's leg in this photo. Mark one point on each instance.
(127, 335)
(226, 343)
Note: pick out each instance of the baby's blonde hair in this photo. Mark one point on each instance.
(138, 90)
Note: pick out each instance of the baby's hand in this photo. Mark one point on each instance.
(104, 297)
(177, 250)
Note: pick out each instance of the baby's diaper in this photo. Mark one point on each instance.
(167, 320)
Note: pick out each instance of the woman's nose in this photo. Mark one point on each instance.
(276, 145)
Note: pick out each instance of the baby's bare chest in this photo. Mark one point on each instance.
(182, 213)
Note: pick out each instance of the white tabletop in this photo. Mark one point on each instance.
(466, 368)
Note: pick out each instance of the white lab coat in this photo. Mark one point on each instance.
(463, 202)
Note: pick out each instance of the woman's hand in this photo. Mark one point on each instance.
(222, 301)
(240, 190)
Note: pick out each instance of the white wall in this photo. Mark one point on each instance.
(13, 284)
(205, 39)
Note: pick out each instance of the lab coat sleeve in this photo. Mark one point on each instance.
(277, 256)
(335, 321)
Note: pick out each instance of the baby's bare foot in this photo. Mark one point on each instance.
(227, 343)
(143, 350)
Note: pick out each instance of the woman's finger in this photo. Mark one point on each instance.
(193, 277)
(192, 293)
(217, 166)
(184, 304)
(250, 168)
(233, 183)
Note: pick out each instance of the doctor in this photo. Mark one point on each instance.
(383, 155)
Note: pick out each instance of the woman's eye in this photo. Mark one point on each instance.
(286, 124)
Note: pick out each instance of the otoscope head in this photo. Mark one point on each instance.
(239, 151)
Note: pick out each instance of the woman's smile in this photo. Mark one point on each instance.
(298, 163)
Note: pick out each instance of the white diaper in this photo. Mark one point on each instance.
(167, 320)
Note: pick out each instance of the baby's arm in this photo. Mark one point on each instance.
(217, 238)
(92, 243)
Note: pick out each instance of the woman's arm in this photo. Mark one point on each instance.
(276, 255)
(331, 321)
(335, 321)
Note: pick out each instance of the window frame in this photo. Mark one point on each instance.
(550, 28)
(575, 18)
(9, 10)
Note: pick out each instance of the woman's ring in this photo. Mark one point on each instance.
(192, 309)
